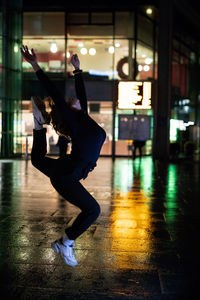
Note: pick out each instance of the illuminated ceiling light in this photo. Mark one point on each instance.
(16, 48)
(140, 68)
(83, 51)
(146, 68)
(80, 45)
(92, 51)
(117, 45)
(149, 11)
(111, 49)
(68, 54)
(148, 61)
(53, 48)
(143, 55)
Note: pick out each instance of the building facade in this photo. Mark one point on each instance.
(139, 43)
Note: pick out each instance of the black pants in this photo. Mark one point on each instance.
(139, 145)
(65, 174)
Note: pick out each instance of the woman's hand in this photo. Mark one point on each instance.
(75, 61)
(28, 55)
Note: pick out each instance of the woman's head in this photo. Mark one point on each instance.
(56, 120)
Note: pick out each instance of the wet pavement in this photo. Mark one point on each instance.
(143, 245)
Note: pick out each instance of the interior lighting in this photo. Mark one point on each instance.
(80, 45)
(149, 11)
(83, 51)
(92, 51)
(134, 95)
(103, 73)
(140, 68)
(146, 68)
(16, 49)
(111, 49)
(148, 61)
(117, 45)
(143, 55)
(53, 48)
(68, 54)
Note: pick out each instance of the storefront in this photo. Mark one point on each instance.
(113, 47)
(108, 50)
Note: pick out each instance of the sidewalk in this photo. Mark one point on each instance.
(143, 245)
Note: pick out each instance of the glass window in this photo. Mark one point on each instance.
(144, 61)
(44, 32)
(121, 58)
(101, 18)
(100, 57)
(90, 18)
(50, 53)
(94, 55)
(77, 18)
(93, 44)
(104, 118)
(89, 31)
(125, 147)
(124, 25)
(145, 30)
(44, 24)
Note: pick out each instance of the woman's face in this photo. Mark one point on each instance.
(74, 103)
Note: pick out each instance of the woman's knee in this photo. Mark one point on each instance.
(95, 210)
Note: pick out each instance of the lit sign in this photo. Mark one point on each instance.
(134, 95)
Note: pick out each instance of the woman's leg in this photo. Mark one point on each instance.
(39, 160)
(74, 192)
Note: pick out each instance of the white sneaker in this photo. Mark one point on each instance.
(66, 252)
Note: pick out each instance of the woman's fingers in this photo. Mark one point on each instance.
(32, 50)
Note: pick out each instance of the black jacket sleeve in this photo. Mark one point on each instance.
(51, 89)
(80, 91)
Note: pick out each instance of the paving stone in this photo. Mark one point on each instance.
(143, 245)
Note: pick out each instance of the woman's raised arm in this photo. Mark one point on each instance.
(31, 57)
(79, 83)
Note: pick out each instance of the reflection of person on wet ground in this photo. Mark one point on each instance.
(138, 145)
(69, 118)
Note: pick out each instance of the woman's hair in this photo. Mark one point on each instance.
(56, 121)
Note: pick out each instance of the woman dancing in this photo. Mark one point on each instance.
(69, 118)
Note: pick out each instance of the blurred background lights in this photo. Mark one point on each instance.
(146, 68)
(68, 54)
(16, 49)
(149, 11)
(148, 61)
(140, 68)
(117, 45)
(53, 48)
(92, 51)
(80, 45)
(111, 49)
(83, 51)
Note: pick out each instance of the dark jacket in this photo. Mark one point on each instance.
(87, 136)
